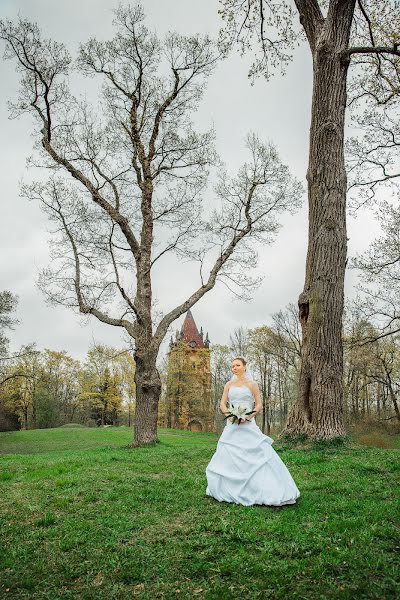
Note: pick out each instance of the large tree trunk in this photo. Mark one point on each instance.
(318, 411)
(147, 378)
(148, 391)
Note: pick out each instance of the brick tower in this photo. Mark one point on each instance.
(188, 403)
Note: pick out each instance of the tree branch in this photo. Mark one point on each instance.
(117, 279)
(199, 293)
(83, 306)
(311, 19)
(346, 54)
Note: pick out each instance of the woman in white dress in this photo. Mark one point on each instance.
(245, 469)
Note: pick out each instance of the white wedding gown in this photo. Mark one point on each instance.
(245, 469)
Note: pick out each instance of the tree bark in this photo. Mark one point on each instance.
(147, 378)
(357, 403)
(264, 401)
(393, 398)
(148, 390)
(318, 411)
(269, 404)
(378, 399)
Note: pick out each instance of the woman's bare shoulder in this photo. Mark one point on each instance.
(253, 385)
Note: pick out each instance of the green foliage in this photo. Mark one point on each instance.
(47, 415)
(48, 388)
(102, 383)
(337, 442)
(142, 526)
(293, 440)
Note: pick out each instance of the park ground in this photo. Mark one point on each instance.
(82, 516)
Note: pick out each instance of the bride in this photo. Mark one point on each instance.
(245, 469)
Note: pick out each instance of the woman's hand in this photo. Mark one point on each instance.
(247, 418)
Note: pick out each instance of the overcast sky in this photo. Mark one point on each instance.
(278, 110)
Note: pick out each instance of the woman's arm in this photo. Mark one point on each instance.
(258, 404)
(223, 405)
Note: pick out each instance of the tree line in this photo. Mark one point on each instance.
(49, 388)
(371, 377)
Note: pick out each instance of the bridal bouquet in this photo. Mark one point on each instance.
(238, 412)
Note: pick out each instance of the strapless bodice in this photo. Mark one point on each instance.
(240, 395)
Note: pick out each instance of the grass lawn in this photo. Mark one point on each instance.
(84, 517)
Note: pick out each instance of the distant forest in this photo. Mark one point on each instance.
(49, 388)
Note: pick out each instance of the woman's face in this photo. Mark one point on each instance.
(238, 368)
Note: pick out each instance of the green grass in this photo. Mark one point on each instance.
(84, 517)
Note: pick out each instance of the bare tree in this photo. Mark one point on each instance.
(373, 153)
(8, 304)
(239, 341)
(380, 271)
(221, 360)
(372, 370)
(261, 349)
(288, 336)
(127, 180)
(388, 370)
(373, 158)
(338, 32)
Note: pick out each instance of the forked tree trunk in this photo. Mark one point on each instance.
(318, 411)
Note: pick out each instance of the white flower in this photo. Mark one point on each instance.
(239, 411)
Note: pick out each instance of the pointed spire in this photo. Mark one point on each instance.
(189, 332)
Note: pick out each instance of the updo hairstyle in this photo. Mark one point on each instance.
(242, 360)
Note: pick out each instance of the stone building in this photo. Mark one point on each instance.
(188, 400)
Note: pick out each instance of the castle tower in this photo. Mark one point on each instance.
(188, 403)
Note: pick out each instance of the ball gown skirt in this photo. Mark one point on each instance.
(245, 469)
